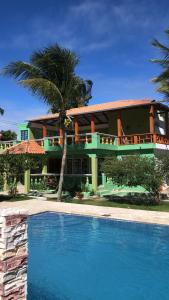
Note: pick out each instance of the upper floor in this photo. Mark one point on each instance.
(127, 124)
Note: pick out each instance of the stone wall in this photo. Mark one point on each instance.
(13, 254)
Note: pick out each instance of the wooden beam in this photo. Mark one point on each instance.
(92, 124)
(119, 124)
(85, 117)
(106, 117)
(151, 120)
(98, 119)
(44, 131)
(76, 128)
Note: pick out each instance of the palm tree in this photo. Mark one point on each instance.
(51, 76)
(163, 78)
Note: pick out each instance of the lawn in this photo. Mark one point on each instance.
(9, 198)
(163, 206)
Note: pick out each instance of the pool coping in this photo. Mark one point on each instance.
(35, 206)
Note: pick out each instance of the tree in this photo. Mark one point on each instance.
(13, 165)
(163, 79)
(8, 135)
(51, 76)
(134, 171)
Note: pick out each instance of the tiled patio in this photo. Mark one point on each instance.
(39, 206)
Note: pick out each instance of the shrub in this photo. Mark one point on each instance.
(135, 171)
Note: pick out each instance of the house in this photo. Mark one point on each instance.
(117, 128)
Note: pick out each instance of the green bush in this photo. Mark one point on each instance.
(135, 171)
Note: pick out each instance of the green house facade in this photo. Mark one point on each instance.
(118, 128)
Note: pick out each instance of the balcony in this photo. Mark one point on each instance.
(93, 141)
(81, 142)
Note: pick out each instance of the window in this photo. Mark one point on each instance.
(78, 166)
(77, 169)
(24, 135)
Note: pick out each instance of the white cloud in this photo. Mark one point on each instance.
(91, 25)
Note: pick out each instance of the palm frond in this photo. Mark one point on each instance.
(164, 88)
(44, 89)
(21, 70)
(163, 76)
(51, 76)
(162, 47)
(56, 62)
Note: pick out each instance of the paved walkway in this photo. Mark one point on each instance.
(38, 206)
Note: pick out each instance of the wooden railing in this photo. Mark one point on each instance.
(161, 139)
(143, 139)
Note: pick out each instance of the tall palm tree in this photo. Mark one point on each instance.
(163, 78)
(51, 76)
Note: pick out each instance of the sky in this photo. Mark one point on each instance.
(112, 39)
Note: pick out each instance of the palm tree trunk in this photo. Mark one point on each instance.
(59, 194)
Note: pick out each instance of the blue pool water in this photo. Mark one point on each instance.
(82, 258)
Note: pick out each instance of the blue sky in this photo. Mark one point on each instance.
(112, 39)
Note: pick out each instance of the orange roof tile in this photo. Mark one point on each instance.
(98, 107)
(26, 147)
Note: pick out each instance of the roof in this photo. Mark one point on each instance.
(26, 147)
(114, 105)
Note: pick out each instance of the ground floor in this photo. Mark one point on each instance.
(83, 171)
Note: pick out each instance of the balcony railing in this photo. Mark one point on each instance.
(143, 139)
(93, 140)
(6, 144)
(81, 139)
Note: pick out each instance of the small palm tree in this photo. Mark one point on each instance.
(51, 76)
(163, 78)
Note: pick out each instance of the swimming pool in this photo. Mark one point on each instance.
(84, 258)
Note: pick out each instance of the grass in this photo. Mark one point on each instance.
(9, 198)
(163, 206)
